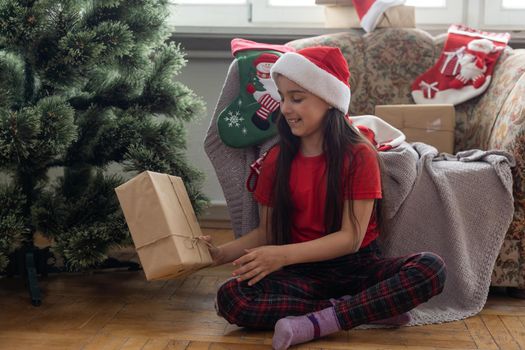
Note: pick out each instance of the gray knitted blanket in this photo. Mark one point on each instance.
(458, 207)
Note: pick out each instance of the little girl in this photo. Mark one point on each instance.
(312, 267)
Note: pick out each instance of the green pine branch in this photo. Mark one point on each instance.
(86, 84)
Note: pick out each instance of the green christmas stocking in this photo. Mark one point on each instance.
(250, 118)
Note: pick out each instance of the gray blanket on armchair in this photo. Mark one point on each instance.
(458, 207)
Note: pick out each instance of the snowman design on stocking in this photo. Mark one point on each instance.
(474, 63)
(264, 91)
(250, 117)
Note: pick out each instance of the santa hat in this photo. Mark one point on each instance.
(321, 70)
(382, 135)
(263, 63)
(370, 11)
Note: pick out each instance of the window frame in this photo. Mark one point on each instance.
(265, 13)
(496, 17)
(452, 12)
(260, 15)
(209, 16)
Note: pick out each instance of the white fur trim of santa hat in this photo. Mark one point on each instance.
(371, 18)
(313, 78)
(385, 135)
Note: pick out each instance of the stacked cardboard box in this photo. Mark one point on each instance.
(431, 124)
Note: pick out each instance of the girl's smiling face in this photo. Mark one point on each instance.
(304, 112)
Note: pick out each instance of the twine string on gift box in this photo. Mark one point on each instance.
(194, 240)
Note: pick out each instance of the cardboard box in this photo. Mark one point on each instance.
(431, 124)
(163, 225)
(346, 17)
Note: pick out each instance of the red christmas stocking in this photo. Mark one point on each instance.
(463, 70)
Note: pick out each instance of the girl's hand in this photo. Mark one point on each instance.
(258, 263)
(215, 252)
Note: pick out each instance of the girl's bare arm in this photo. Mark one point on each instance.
(232, 250)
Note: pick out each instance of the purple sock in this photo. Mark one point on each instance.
(398, 320)
(295, 330)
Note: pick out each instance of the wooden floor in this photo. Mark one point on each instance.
(121, 310)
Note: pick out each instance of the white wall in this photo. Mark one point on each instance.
(205, 77)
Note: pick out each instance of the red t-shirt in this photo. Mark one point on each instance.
(308, 189)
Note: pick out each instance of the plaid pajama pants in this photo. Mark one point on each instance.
(378, 288)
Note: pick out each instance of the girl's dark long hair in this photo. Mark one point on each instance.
(339, 138)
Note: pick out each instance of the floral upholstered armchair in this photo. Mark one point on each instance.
(385, 62)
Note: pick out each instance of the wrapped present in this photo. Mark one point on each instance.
(344, 15)
(430, 124)
(163, 225)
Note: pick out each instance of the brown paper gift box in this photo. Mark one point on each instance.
(344, 16)
(430, 124)
(163, 225)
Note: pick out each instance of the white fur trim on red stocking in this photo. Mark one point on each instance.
(452, 96)
(464, 30)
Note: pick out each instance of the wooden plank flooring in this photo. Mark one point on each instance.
(121, 310)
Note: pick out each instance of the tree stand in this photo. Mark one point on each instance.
(30, 261)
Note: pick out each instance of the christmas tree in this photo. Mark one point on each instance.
(86, 86)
